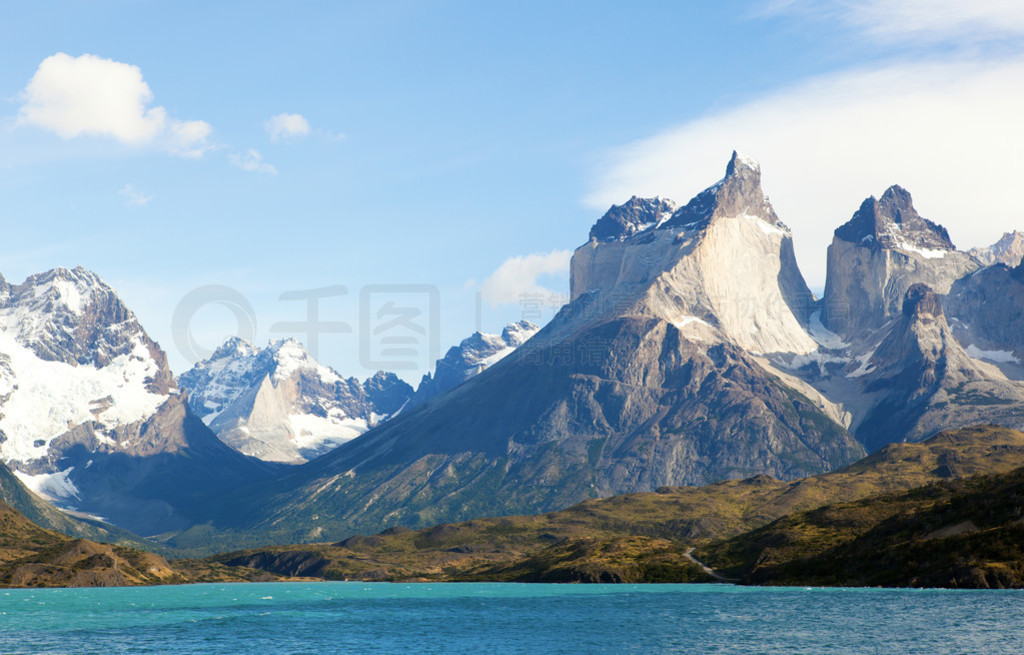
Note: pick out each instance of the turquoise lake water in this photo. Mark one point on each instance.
(352, 617)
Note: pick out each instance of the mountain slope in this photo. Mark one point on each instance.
(46, 516)
(1008, 250)
(923, 381)
(988, 313)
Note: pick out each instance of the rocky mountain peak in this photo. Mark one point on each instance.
(632, 216)
(472, 356)
(921, 303)
(892, 222)
(1009, 250)
(737, 194)
(740, 164)
(516, 334)
(233, 347)
(878, 255)
(74, 317)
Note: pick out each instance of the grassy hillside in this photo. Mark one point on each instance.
(636, 537)
(31, 556)
(961, 533)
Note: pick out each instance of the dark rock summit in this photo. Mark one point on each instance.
(632, 216)
(876, 256)
(892, 222)
(922, 304)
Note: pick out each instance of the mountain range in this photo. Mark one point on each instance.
(280, 404)
(691, 351)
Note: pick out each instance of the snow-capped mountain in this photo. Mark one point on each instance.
(1008, 250)
(89, 413)
(71, 354)
(473, 354)
(279, 404)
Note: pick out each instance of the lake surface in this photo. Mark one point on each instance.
(353, 617)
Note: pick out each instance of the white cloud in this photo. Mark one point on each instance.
(921, 21)
(517, 277)
(251, 160)
(133, 197)
(284, 127)
(948, 132)
(90, 95)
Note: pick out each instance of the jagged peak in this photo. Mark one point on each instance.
(634, 215)
(739, 193)
(516, 334)
(892, 222)
(740, 163)
(233, 347)
(1009, 250)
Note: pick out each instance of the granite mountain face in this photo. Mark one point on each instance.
(878, 255)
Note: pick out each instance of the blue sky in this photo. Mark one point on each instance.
(434, 142)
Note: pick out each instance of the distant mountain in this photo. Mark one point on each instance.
(920, 380)
(1008, 250)
(89, 413)
(279, 404)
(987, 312)
(474, 354)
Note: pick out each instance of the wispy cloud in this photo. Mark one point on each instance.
(89, 95)
(287, 127)
(949, 131)
(518, 277)
(133, 197)
(916, 21)
(251, 160)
